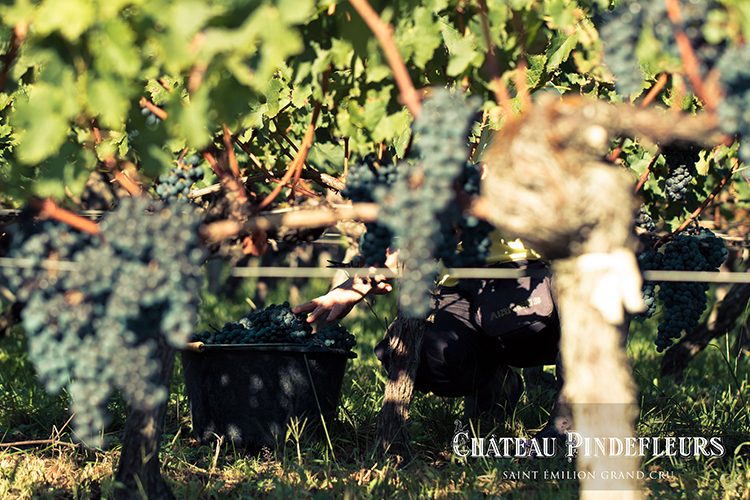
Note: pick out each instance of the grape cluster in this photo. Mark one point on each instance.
(179, 180)
(277, 324)
(646, 258)
(456, 225)
(364, 178)
(681, 160)
(677, 182)
(684, 303)
(35, 242)
(734, 66)
(98, 326)
(621, 31)
(410, 205)
(152, 121)
(374, 245)
(418, 206)
(336, 337)
(644, 221)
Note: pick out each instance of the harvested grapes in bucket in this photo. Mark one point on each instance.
(277, 324)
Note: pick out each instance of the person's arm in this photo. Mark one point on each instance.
(338, 302)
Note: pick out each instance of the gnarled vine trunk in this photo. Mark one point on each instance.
(138, 471)
(548, 186)
(405, 342)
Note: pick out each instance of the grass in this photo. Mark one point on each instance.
(711, 402)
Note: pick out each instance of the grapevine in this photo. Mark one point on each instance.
(95, 328)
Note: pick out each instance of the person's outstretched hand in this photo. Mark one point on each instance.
(339, 301)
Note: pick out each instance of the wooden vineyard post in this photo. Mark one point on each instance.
(139, 471)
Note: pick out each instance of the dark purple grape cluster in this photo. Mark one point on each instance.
(677, 183)
(620, 30)
(734, 67)
(96, 324)
(680, 160)
(411, 205)
(152, 121)
(458, 227)
(644, 221)
(374, 244)
(176, 183)
(365, 178)
(648, 258)
(698, 249)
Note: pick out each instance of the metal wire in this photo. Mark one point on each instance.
(91, 214)
(52, 265)
(329, 272)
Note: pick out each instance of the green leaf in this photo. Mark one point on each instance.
(16, 12)
(69, 169)
(41, 124)
(392, 127)
(535, 70)
(115, 48)
(274, 95)
(462, 55)
(300, 95)
(420, 37)
(650, 53)
(561, 15)
(451, 36)
(49, 187)
(341, 53)
(560, 48)
(327, 157)
(254, 119)
(192, 119)
(190, 16)
(295, 11)
(69, 17)
(703, 164)
(378, 73)
(109, 101)
(279, 41)
(639, 166)
(375, 108)
(436, 5)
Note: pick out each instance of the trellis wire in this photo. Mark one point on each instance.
(464, 273)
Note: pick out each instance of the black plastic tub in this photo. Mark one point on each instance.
(249, 394)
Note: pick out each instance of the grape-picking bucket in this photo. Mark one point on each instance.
(250, 394)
